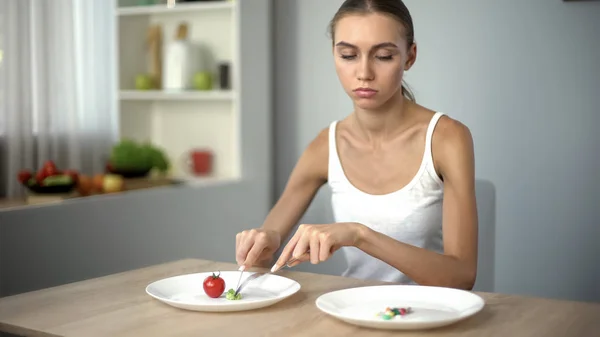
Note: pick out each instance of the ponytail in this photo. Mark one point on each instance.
(406, 92)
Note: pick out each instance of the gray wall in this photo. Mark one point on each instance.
(51, 245)
(524, 76)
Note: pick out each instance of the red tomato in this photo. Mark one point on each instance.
(23, 176)
(214, 285)
(49, 163)
(50, 171)
(40, 176)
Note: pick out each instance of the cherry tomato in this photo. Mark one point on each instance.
(214, 285)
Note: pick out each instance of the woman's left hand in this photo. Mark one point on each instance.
(322, 240)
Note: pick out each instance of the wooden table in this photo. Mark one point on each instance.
(117, 305)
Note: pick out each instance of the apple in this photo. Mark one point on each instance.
(98, 182)
(143, 82)
(113, 183)
(202, 80)
(84, 185)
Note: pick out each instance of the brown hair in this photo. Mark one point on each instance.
(393, 8)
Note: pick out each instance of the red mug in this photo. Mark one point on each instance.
(200, 162)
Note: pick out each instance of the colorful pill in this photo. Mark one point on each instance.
(390, 313)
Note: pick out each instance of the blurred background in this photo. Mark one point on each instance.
(139, 132)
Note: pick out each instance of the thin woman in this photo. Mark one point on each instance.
(401, 175)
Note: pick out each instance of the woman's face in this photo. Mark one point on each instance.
(371, 56)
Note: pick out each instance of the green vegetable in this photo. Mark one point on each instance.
(157, 158)
(128, 155)
(230, 295)
(58, 180)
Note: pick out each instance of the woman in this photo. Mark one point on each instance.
(401, 175)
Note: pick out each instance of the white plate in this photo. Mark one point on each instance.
(187, 292)
(432, 307)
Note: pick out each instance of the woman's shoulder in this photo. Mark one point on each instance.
(320, 143)
(451, 132)
(451, 143)
(317, 150)
(446, 129)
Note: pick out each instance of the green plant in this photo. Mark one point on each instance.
(133, 156)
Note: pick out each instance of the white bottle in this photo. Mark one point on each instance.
(176, 62)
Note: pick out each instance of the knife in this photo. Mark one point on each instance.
(257, 275)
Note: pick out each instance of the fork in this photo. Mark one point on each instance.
(257, 275)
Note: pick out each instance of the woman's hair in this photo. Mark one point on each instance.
(393, 8)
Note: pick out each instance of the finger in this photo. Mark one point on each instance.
(239, 254)
(295, 263)
(286, 253)
(302, 245)
(314, 248)
(301, 259)
(260, 245)
(253, 255)
(246, 243)
(326, 247)
(238, 239)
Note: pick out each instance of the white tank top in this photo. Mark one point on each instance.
(412, 215)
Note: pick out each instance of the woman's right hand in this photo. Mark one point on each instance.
(255, 247)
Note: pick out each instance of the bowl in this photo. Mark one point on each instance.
(130, 173)
(53, 189)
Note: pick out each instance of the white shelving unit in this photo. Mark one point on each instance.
(128, 9)
(158, 95)
(180, 122)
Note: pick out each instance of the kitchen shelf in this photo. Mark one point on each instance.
(178, 8)
(159, 95)
(179, 122)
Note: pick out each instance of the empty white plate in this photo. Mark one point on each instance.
(431, 306)
(187, 292)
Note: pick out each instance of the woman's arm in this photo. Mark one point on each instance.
(457, 267)
(309, 174)
(255, 247)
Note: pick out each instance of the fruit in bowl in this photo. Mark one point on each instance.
(49, 179)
